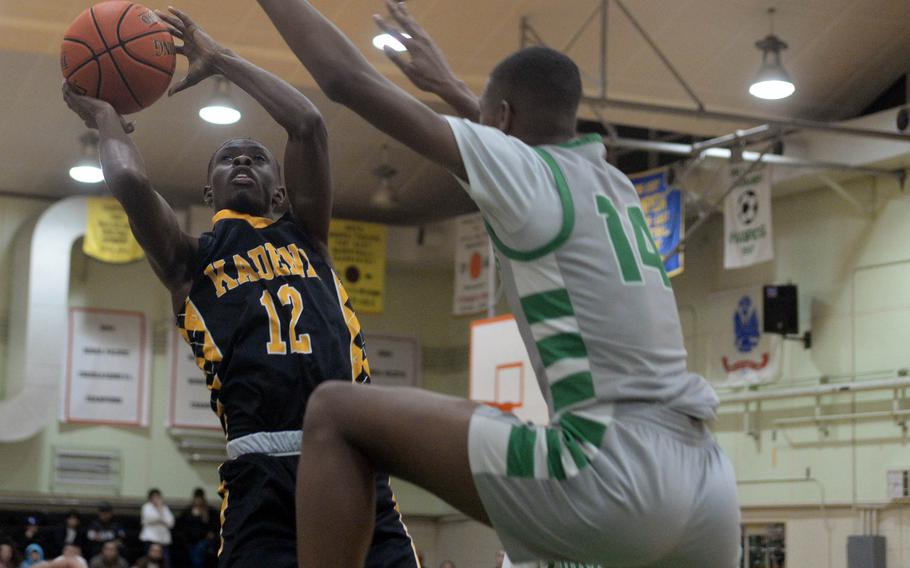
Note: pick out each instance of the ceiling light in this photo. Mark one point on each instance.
(772, 81)
(87, 169)
(382, 40)
(221, 108)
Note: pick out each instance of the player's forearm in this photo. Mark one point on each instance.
(334, 62)
(122, 164)
(458, 96)
(288, 106)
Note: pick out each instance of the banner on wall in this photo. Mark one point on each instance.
(738, 351)
(107, 368)
(108, 236)
(472, 265)
(747, 219)
(190, 405)
(664, 208)
(359, 252)
(394, 361)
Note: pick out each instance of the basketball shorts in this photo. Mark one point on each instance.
(258, 518)
(628, 485)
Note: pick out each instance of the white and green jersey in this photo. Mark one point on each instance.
(582, 274)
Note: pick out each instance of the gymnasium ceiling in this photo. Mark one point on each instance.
(842, 54)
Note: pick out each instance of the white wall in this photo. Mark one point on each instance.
(853, 273)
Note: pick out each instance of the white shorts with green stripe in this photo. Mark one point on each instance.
(648, 487)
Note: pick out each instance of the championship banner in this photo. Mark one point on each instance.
(664, 208)
(359, 251)
(738, 352)
(747, 219)
(107, 368)
(108, 237)
(190, 405)
(472, 265)
(394, 361)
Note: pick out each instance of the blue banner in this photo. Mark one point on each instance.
(664, 209)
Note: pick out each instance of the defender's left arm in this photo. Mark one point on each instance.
(306, 159)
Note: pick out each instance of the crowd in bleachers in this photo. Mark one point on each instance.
(149, 538)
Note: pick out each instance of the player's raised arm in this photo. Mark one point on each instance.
(306, 158)
(347, 77)
(425, 65)
(152, 220)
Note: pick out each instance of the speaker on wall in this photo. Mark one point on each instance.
(781, 311)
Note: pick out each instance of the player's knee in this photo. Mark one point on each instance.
(324, 406)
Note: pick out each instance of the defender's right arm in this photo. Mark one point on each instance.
(153, 221)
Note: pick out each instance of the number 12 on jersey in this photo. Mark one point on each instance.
(648, 254)
(300, 343)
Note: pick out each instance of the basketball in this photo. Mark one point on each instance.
(119, 52)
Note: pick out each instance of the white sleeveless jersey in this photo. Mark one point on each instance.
(594, 305)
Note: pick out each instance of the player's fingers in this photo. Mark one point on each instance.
(187, 21)
(169, 19)
(397, 59)
(401, 15)
(179, 86)
(179, 49)
(391, 30)
(176, 32)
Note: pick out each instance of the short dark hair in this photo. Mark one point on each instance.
(543, 78)
(154, 491)
(105, 507)
(199, 492)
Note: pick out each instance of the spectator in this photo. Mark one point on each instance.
(70, 532)
(109, 557)
(9, 556)
(34, 554)
(447, 564)
(154, 558)
(104, 529)
(31, 534)
(500, 557)
(73, 553)
(157, 522)
(197, 527)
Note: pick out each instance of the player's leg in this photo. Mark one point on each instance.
(257, 514)
(352, 431)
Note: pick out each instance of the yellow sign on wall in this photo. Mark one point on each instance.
(108, 237)
(358, 250)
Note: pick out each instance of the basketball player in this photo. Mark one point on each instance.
(626, 472)
(256, 299)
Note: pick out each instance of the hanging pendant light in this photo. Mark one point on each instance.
(385, 197)
(88, 169)
(772, 81)
(221, 109)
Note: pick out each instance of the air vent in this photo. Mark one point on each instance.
(95, 468)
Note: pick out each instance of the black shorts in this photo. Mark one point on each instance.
(258, 518)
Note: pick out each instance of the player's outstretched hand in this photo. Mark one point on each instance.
(198, 47)
(427, 68)
(89, 108)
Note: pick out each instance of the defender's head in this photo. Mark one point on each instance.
(534, 93)
(244, 176)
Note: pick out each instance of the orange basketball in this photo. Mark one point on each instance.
(119, 52)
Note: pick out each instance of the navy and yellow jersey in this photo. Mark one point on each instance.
(268, 320)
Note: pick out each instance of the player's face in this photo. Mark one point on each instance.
(244, 178)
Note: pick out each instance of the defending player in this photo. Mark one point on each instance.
(626, 473)
(256, 299)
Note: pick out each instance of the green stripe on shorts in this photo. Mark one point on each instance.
(547, 305)
(561, 346)
(583, 429)
(572, 389)
(554, 455)
(520, 454)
